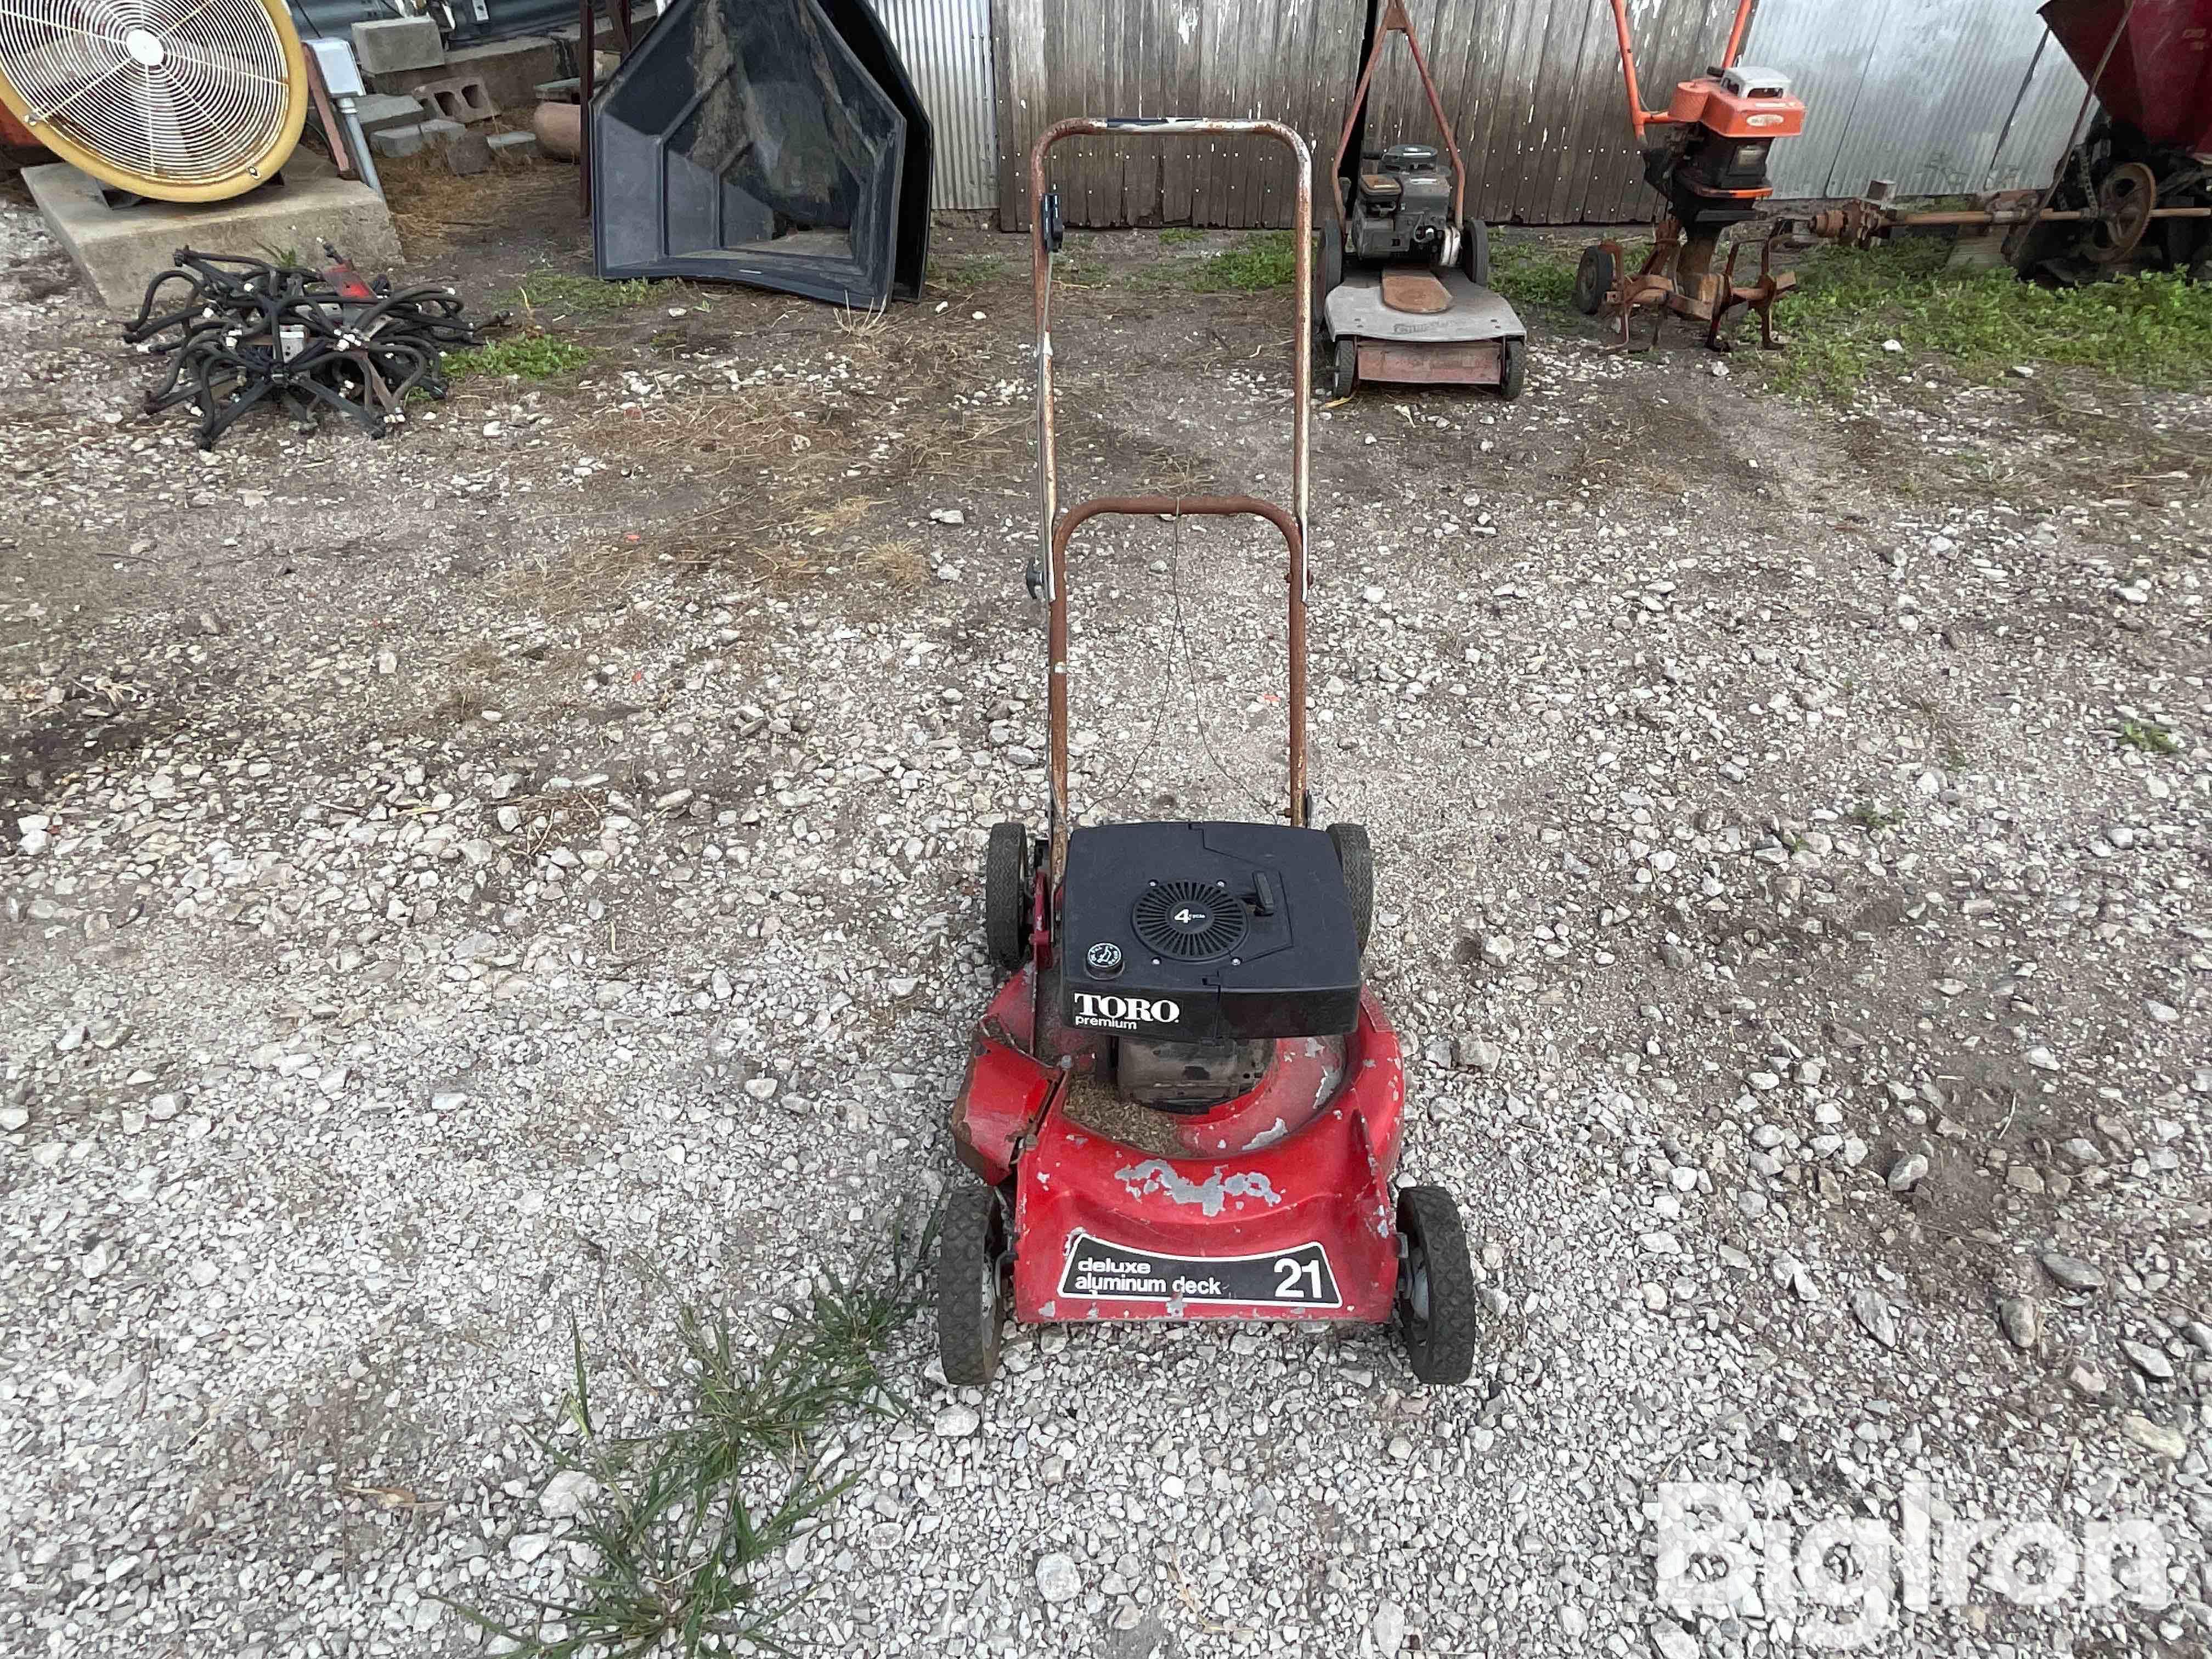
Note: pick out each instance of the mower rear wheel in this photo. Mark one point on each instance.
(1474, 251)
(971, 1274)
(1329, 277)
(1357, 859)
(1516, 369)
(1347, 367)
(1006, 895)
(1593, 279)
(1436, 1303)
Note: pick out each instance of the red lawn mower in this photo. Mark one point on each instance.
(1185, 1103)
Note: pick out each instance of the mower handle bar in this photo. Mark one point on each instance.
(1056, 528)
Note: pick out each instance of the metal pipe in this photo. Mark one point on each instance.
(1053, 531)
(1636, 117)
(1735, 35)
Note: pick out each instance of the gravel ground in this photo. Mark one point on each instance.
(527, 870)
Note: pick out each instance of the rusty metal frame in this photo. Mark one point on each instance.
(1393, 18)
(1638, 116)
(1056, 528)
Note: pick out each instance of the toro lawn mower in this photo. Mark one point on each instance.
(1184, 1103)
(1403, 286)
(1709, 162)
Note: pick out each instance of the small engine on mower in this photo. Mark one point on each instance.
(1402, 208)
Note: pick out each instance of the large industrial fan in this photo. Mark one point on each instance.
(190, 100)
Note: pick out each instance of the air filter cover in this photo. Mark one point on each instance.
(188, 100)
(1193, 932)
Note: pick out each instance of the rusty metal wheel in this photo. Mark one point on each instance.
(2124, 201)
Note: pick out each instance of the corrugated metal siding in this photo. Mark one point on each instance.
(1939, 95)
(1916, 91)
(946, 45)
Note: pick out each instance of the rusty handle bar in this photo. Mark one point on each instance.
(1393, 18)
(1054, 529)
(1224, 507)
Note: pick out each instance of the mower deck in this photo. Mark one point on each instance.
(1471, 341)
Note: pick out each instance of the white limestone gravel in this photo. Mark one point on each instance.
(1805, 987)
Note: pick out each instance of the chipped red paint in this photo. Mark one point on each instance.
(1004, 1091)
(1327, 1182)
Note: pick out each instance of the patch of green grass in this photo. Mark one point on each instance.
(2150, 737)
(964, 271)
(1872, 815)
(559, 293)
(2152, 330)
(1177, 235)
(1260, 260)
(687, 1521)
(527, 356)
(1540, 274)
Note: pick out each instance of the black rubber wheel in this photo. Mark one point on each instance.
(1328, 276)
(1347, 367)
(1357, 859)
(1006, 895)
(1436, 1303)
(971, 1276)
(1593, 279)
(1474, 251)
(1516, 366)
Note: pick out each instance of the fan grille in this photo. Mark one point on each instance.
(179, 92)
(1188, 920)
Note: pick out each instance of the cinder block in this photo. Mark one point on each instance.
(469, 154)
(398, 143)
(384, 46)
(462, 98)
(510, 70)
(378, 111)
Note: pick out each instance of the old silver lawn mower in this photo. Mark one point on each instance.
(1184, 1103)
(1404, 290)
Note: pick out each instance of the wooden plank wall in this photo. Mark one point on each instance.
(1533, 85)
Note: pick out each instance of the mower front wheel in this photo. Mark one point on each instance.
(971, 1276)
(1514, 373)
(1436, 1303)
(1006, 895)
(1593, 279)
(1357, 859)
(1347, 367)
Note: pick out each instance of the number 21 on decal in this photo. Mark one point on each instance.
(1287, 1289)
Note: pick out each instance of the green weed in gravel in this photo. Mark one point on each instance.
(687, 1519)
(527, 356)
(960, 272)
(1177, 235)
(2152, 330)
(2150, 737)
(1540, 274)
(1261, 259)
(555, 293)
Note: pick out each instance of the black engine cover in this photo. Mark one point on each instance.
(1187, 931)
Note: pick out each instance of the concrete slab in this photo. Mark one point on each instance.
(119, 250)
(378, 111)
(384, 46)
(515, 146)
